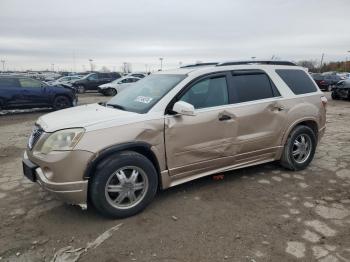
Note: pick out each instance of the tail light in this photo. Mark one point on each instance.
(324, 101)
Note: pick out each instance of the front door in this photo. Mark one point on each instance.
(205, 141)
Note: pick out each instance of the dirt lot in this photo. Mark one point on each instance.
(263, 213)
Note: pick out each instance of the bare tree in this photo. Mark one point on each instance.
(309, 64)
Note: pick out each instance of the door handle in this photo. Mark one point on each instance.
(278, 107)
(224, 117)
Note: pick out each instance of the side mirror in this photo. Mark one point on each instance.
(184, 108)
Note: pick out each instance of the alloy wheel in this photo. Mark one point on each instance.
(301, 148)
(126, 187)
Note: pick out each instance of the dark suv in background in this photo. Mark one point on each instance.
(93, 80)
(326, 81)
(23, 92)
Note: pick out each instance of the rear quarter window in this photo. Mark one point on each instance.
(297, 80)
(8, 82)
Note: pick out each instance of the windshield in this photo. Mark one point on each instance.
(145, 93)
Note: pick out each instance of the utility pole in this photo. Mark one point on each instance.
(321, 62)
(91, 66)
(346, 62)
(161, 63)
(3, 65)
(74, 61)
(53, 67)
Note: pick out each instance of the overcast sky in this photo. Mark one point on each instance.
(37, 33)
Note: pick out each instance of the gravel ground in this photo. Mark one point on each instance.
(262, 213)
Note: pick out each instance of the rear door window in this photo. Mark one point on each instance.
(250, 86)
(8, 82)
(297, 80)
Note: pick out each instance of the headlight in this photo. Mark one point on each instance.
(62, 140)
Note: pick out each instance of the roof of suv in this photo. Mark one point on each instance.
(235, 65)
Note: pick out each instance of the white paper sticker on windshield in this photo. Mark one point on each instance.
(143, 99)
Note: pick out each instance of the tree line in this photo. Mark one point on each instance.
(314, 66)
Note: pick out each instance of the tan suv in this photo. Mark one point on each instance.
(175, 126)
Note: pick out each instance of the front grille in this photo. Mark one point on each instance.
(34, 137)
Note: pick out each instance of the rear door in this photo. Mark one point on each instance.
(10, 92)
(260, 115)
(104, 78)
(33, 92)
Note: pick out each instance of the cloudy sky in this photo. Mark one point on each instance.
(67, 33)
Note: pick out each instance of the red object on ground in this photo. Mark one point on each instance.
(218, 177)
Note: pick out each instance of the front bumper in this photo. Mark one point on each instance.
(72, 192)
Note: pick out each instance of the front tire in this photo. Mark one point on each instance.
(123, 184)
(110, 92)
(299, 149)
(61, 102)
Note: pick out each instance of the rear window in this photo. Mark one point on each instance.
(297, 80)
(250, 87)
(8, 82)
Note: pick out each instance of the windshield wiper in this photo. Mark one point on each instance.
(116, 106)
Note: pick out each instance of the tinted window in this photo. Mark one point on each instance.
(92, 77)
(207, 93)
(29, 83)
(8, 82)
(297, 80)
(250, 87)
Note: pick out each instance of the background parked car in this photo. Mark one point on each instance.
(321, 82)
(341, 90)
(112, 88)
(93, 80)
(139, 75)
(23, 92)
(333, 79)
(65, 80)
(326, 81)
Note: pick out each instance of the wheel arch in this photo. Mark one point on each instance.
(142, 148)
(309, 122)
(59, 94)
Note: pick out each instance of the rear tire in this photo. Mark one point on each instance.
(115, 192)
(299, 149)
(61, 102)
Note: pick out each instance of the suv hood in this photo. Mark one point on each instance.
(83, 116)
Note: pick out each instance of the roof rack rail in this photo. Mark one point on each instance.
(200, 64)
(263, 62)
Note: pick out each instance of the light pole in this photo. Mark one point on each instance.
(321, 62)
(3, 65)
(91, 60)
(346, 62)
(161, 63)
